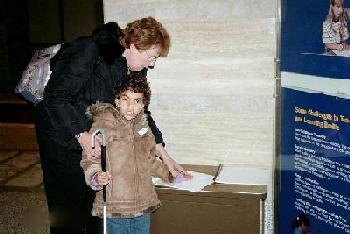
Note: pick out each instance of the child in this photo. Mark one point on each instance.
(301, 224)
(131, 160)
(335, 31)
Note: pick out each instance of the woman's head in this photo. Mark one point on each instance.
(335, 15)
(336, 9)
(144, 41)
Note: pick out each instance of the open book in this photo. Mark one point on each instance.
(226, 174)
(196, 184)
(344, 53)
(243, 174)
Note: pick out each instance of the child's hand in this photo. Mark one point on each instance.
(103, 178)
(183, 177)
(85, 143)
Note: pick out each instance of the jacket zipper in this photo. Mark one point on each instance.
(135, 168)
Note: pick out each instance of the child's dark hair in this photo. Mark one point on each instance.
(137, 83)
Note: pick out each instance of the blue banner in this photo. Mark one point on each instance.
(315, 163)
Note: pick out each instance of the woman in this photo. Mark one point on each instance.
(84, 71)
(335, 28)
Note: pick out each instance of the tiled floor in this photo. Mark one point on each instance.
(22, 199)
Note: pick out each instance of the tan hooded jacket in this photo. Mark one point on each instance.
(131, 161)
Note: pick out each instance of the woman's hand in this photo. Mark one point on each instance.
(86, 144)
(342, 46)
(174, 168)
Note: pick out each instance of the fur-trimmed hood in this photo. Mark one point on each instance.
(109, 112)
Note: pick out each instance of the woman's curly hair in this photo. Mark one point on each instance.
(137, 83)
(146, 33)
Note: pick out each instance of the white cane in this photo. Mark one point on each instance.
(103, 166)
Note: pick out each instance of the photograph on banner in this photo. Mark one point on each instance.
(315, 37)
(315, 163)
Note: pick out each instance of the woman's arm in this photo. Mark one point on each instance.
(155, 130)
(174, 168)
(335, 46)
(73, 68)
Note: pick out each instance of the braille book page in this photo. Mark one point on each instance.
(240, 174)
(196, 184)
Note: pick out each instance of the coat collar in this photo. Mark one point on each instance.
(104, 110)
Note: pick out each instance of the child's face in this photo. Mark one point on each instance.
(337, 9)
(130, 104)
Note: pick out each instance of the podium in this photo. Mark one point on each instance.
(219, 209)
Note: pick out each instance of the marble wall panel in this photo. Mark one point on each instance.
(122, 10)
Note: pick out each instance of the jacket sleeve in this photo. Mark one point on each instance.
(158, 168)
(155, 130)
(151, 123)
(73, 68)
(90, 167)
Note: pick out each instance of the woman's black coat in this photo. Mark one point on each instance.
(84, 71)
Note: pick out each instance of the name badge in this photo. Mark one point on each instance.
(142, 131)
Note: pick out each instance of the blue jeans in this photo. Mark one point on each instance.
(138, 225)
